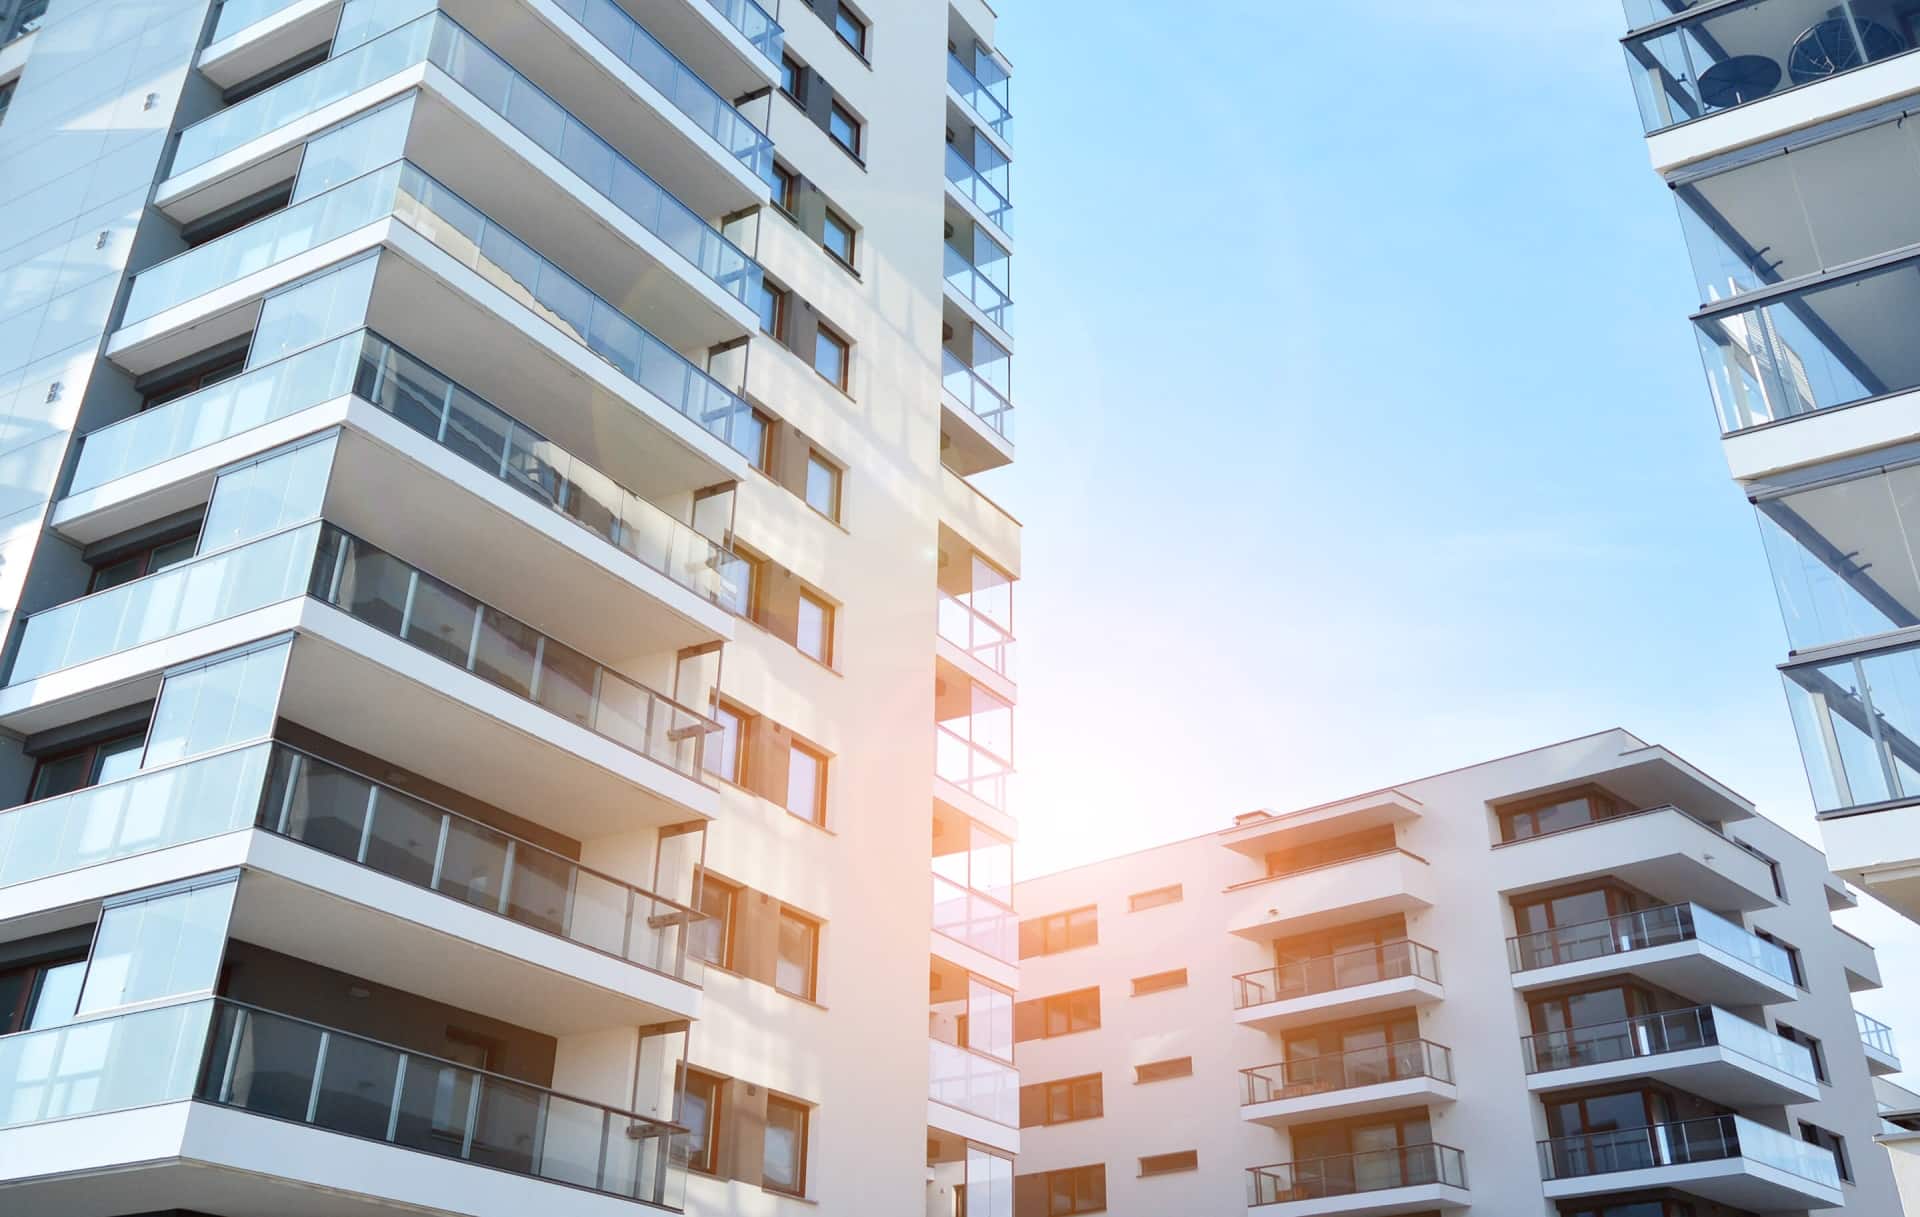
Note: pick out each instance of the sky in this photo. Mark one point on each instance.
(1361, 430)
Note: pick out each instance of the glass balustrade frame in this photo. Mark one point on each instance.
(1663, 1033)
(996, 116)
(1403, 1060)
(997, 411)
(1356, 1174)
(1326, 974)
(1643, 929)
(990, 199)
(1682, 1143)
(985, 924)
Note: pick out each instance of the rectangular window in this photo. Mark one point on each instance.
(1833, 1143)
(700, 1112)
(1079, 1189)
(78, 768)
(1170, 1164)
(149, 559)
(830, 357)
(851, 29)
(1793, 956)
(724, 754)
(1062, 1102)
(1139, 902)
(786, 185)
(772, 306)
(783, 1167)
(837, 235)
(823, 486)
(1810, 1043)
(1070, 1013)
(793, 79)
(1059, 932)
(40, 995)
(1159, 982)
(711, 938)
(757, 431)
(807, 784)
(1163, 1071)
(793, 971)
(814, 629)
(844, 128)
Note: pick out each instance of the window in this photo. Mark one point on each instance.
(851, 29)
(830, 353)
(773, 308)
(1140, 902)
(756, 431)
(78, 768)
(793, 79)
(814, 629)
(1059, 932)
(176, 386)
(786, 185)
(723, 755)
(700, 1112)
(783, 1166)
(1170, 1164)
(1810, 1043)
(844, 128)
(837, 236)
(1558, 813)
(1163, 1071)
(149, 559)
(1159, 982)
(711, 939)
(1793, 956)
(1833, 1143)
(793, 970)
(40, 995)
(1079, 1189)
(1062, 1102)
(1068, 1013)
(807, 784)
(823, 487)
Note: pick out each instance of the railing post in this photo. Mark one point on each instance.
(473, 1115)
(366, 822)
(506, 878)
(399, 1092)
(319, 1072)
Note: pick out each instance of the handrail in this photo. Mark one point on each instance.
(995, 652)
(967, 176)
(997, 116)
(1354, 1068)
(1874, 1033)
(755, 24)
(1683, 1142)
(998, 413)
(1341, 970)
(1352, 1174)
(1660, 1033)
(1659, 926)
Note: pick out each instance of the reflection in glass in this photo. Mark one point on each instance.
(1858, 723)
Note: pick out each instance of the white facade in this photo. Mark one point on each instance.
(490, 564)
(1426, 998)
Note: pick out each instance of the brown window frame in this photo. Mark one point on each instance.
(36, 977)
(1041, 930)
(857, 127)
(833, 220)
(91, 752)
(743, 723)
(786, 183)
(813, 927)
(838, 475)
(1093, 1176)
(1063, 1003)
(819, 816)
(1065, 1100)
(789, 66)
(1160, 982)
(778, 295)
(1156, 897)
(828, 620)
(708, 1163)
(826, 333)
(860, 23)
(800, 1152)
(728, 921)
(1172, 1069)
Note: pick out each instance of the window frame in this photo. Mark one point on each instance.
(856, 128)
(723, 710)
(1045, 928)
(805, 1112)
(1176, 1162)
(1090, 1087)
(142, 555)
(1172, 1070)
(836, 476)
(789, 66)
(36, 974)
(820, 759)
(728, 920)
(1833, 1143)
(709, 1161)
(865, 28)
(91, 750)
(1811, 1043)
(1064, 1004)
(1156, 897)
(834, 220)
(812, 926)
(828, 613)
(839, 342)
(786, 183)
(1079, 1180)
(777, 295)
(1159, 982)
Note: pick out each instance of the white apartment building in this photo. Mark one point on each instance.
(508, 676)
(1781, 127)
(1582, 981)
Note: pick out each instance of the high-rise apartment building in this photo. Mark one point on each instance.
(1782, 127)
(501, 638)
(1582, 981)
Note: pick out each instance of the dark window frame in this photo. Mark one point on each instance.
(142, 556)
(856, 129)
(1156, 897)
(91, 751)
(791, 68)
(864, 28)
(1178, 1162)
(1833, 1143)
(708, 1163)
(35, 975)
(841, 343)
(834, 220)
(1079, 1180)
(1159, 982)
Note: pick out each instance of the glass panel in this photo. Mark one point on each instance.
(158, 946)
(267, 495)
(1842, 563)
(109, 1064)
(361, 146)
(973, 1083)
(218, 703)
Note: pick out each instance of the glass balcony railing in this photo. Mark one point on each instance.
(654, 63)
(1669, 1031)
(754, 24)
(1647, 928)
(209, 588)
(146, 811)
(340, 812)
(977, 634)
(1342, 970)
(1684, 1143)
(985, 195)
(387, 377)
(974, 284)
(976, 770)
(987, 403)
(1689, 67)
(968, 917)
(237, 15)
(403, 192)
(1357, 1174)
(102, 1065)
(290, 1069)
(1876, 1034)
(972, 1083)
(26, 19)
(990, 107)
(1375, 1066)
(437, 39)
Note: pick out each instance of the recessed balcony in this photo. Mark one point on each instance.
(977, 282)
(218, 1106)
(1355, 889)
(981, 87)
(980, 199)
(1704, 1051)
(1662, 851)
(1349, 984)
(1414, 1073)
(976, 419)
(1685, 948)
(1877, 1039)
(1260, 833)
(973, 1095)
(1728, 1159)
(1378, 1183)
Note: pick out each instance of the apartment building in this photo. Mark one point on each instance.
(1582, 981)
(508, 674)
(1781, 128)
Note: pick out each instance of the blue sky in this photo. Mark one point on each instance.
(1361, 430)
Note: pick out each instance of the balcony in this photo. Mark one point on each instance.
(1683, 947)
(1704, 1050)
(1877, 1039)
(975, 415)
(982, 1092)
(1378, 1183)
(1728, 1159)
(1686, 67)
(27, 19)
(469, 291)
(981, 646)
(1356, 889)
(987, 103)
(1414, 1073)
(988, 200)
(1351, 984)
(169, 1101)
(977, 921)
(985, 300)
(1662, 851)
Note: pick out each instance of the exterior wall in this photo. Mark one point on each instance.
(1481, 1018)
